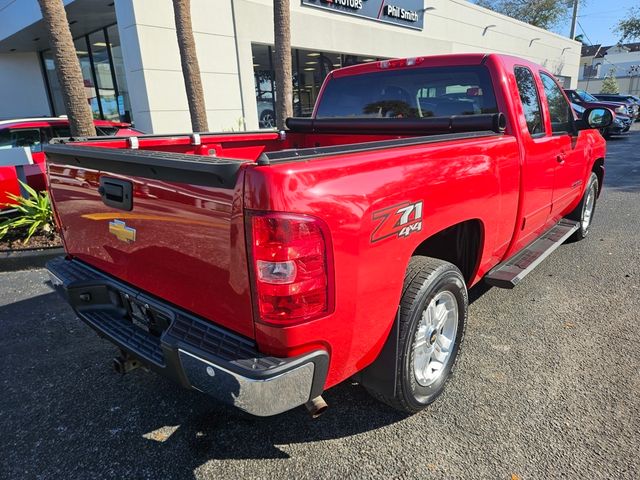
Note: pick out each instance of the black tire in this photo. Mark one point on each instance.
(424, 279)
(578, 213)
(267, 119)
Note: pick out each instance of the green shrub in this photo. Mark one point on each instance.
(34, 214)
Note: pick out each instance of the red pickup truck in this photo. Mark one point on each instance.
(264, 268)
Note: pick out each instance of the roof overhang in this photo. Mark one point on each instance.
(85, 16)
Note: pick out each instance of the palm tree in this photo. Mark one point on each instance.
(67, 66)
(190, 68)
(282, 47)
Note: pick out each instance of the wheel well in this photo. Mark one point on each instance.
(598, 169)
(459, 244)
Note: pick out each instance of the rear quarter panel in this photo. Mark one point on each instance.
(455, 181)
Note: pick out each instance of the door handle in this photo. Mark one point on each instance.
(116, 193)
(560, 158)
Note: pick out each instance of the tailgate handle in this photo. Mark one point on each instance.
(116, 193)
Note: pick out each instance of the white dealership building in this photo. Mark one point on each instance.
(131, 64)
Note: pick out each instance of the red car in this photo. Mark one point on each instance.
(264, 268)
(33, 133)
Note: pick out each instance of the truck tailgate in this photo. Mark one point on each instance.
(182, 237)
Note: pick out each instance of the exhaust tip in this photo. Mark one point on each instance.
(316, 406)
(118, 366)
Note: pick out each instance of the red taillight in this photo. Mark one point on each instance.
(290, 267)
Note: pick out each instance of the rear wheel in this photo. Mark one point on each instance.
(585, 210)
(433, 313)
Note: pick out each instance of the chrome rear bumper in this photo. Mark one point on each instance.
(194, 352)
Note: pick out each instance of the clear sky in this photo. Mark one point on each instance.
(598, 18)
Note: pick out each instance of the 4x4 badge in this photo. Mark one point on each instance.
(122, 232)
(400, 220)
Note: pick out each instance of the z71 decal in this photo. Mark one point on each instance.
(398, 221)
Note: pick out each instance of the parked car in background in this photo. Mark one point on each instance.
(628, 100)
(33, 133)
(266, 114)
(621, 121)
(578, 110)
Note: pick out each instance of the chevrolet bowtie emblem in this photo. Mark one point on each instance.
(121, 231)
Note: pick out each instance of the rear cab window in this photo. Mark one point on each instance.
(410, 93)
(530, 99)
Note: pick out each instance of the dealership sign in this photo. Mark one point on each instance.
(406, 13)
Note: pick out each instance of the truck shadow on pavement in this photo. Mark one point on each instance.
(71, 414)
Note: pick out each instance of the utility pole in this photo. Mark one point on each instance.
(574, 20)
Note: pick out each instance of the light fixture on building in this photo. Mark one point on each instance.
(82, 52)
(309, 69)
(484, 32)
(533, 40)
(314, 54)
(256, 64)
(310, 63)
(99, 44)
(336, 65)
(368, 59)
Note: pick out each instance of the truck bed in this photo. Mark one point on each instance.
(183, 239)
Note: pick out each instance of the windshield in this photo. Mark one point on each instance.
(579, 109)
(586, 96)
(410, 93)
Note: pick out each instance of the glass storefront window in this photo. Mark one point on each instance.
(265, 87)
(104, 76)
(87, 75)
(309, 69)
(55, 90)
(100, 57)
(124, 106)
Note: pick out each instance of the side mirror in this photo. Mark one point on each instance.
(595, 118)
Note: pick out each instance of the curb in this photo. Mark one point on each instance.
(28, 259)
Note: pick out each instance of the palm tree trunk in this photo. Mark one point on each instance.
(190, 68)
(284, 83)
(68, 68)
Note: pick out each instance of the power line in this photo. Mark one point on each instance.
(600, 13)
(585, 33)
(604, 59)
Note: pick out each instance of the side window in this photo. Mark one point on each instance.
(61, 131)
(5, 139)
(106, 131)
(530, 99)
(559, 109)
(27, 138)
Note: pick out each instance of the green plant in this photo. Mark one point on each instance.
(610, 84)
(34, 213)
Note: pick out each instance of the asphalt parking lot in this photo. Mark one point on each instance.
(548, 386)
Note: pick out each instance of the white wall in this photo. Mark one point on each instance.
(154, 73)
(627, 85)
(22, 88)
(454, 26)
